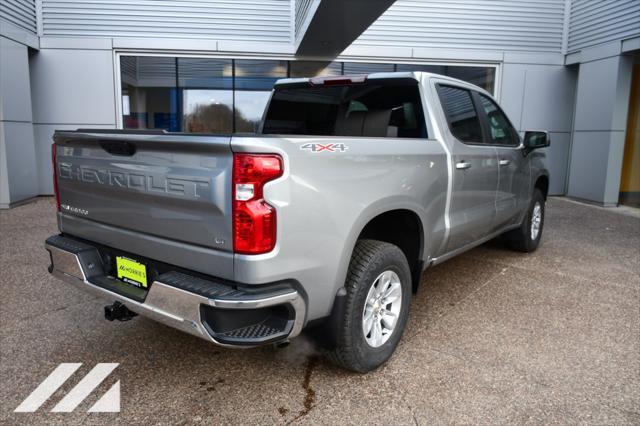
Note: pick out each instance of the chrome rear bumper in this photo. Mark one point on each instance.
(80, 265)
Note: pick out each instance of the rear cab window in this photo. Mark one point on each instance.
(387, 108)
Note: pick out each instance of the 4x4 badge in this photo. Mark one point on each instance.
(330, 147)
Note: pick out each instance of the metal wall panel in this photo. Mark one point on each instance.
(248, 20)
(511, 25)
(540, 97)
(302, 10)
(72, 86)
(18, 173)
(596, 22)
(21, 13)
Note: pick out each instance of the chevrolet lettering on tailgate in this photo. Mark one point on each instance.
(185, 186)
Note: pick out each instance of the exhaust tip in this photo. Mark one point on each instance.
(282, 344)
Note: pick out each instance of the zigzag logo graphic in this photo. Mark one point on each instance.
(108, 403)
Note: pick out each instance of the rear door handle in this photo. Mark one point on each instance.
(463, 165)
(504, 162)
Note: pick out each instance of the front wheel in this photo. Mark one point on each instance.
(378, 298)
(526, 238)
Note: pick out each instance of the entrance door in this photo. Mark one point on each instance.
(630, 179)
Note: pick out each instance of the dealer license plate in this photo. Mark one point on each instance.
(131, 271)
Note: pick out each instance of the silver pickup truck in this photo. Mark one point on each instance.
(324, 220)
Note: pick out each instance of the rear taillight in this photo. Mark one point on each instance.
(55, 175)
(254, 220)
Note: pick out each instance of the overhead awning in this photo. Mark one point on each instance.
(324, 28)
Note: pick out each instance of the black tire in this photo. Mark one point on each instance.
(520, 239)
(370, 259)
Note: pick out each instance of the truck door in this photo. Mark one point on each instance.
(475, 169)
(513, 167)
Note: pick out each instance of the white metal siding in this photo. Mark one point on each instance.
(21, 13)
(302, 10)
(594, 22)
(249, 20)
(512, 25)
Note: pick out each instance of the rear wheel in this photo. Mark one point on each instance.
(377, 305)
(526, 238)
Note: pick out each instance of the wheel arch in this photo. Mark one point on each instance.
(542, 183)
(402, 228)
(368, 225)
(371, 222)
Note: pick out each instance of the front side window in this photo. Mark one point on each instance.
(500, 129)
(378, 108)
(463, 120)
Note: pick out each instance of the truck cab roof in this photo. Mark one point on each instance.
(359, 78)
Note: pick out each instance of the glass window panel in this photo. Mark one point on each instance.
(366, 68)
(502, 132)
(205, 73)
(206, 106)
(436, 69)
(250, 106)
(480, 76)
(258, 74)
(149, 97)
(461, 113)
(378, 108)
(314, 68)
(207, 111)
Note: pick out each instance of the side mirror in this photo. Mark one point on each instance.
(535, 140)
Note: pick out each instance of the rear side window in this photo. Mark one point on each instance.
(378, 108)
(461, 114)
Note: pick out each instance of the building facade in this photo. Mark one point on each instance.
(567, 66)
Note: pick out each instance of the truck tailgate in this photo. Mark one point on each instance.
(170, 186)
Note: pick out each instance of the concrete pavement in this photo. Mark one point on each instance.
(494, 337)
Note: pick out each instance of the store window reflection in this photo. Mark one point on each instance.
(250, 106)
(207, 111)
(217, 95)
(207, 96)
(149, 95)
(314, 69)
(480, 76)
(366, 67)
(254, 80)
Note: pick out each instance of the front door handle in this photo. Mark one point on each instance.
(504, 162)
(463, 165)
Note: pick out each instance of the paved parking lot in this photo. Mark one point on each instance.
(494, 337)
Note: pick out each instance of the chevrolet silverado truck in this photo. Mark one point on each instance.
(323, 220)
